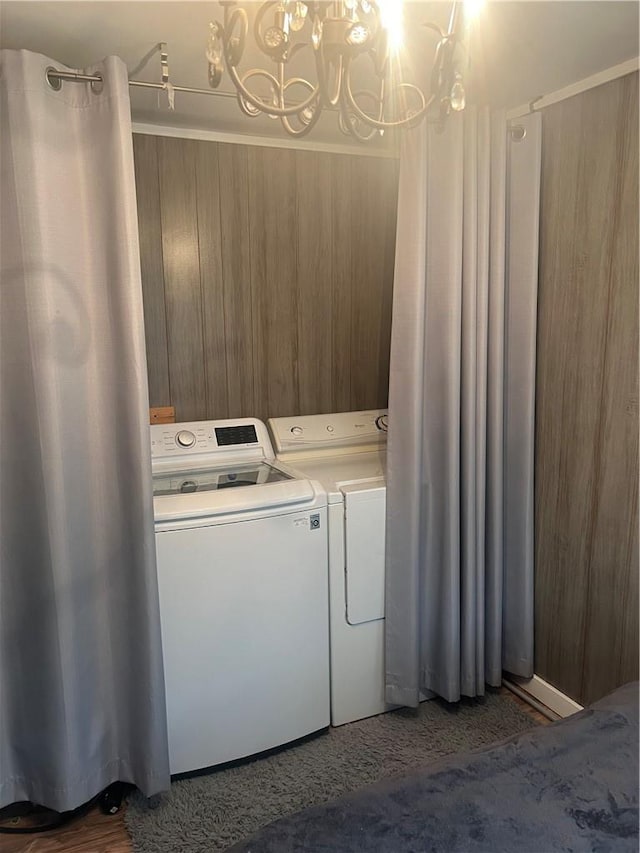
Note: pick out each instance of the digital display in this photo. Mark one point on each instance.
(245, 434)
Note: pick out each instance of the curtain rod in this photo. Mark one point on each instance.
(517, 132)
(577, 88)
(76, 77)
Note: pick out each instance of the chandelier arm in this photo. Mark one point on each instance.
(300, 81)
(328, 100)
(306, 123)
(383, 92)
(281, 87)
(305, 128)
(233, 53)
(335, 100)
(383, 124)
(443, 63)
(349, 129)
(431, 26)
(247, 109)
(259, 104)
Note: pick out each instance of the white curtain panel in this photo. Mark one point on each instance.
(459, 579)
(81, 681)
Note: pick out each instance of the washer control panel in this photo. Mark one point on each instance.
(244, 437)
(342, 429)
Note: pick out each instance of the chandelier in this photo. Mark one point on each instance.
(340, 38)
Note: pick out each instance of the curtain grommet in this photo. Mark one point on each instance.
(54, 82)
(97, 85)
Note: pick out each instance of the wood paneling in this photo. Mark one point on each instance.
(373, 249)
(314, 282)
(341, 278)
(236, 273)
(275, 294)
(587, 385)
(611, 635)
(150, 235)
(211, 281)
(183, 298)
(267, 278)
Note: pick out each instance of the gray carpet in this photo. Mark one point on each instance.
(211, 812)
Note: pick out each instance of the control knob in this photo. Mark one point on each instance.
(382, 423)
(185, 438)
(296, 430)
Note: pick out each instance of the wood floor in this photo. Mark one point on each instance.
(92, 833)
(98, 833)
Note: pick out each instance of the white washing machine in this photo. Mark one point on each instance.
(346, 452)
(242, 574)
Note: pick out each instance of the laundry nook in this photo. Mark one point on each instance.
(319, 387)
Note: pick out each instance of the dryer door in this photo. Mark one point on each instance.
(364, 522)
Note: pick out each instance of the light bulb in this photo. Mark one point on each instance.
(472, 9)
(391, 14)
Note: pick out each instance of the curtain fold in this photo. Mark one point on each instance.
(459, 580)
(81, 680)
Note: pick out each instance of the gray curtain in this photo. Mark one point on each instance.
(81, 679)
(459, 580)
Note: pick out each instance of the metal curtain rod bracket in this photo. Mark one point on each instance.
(532, 103)
(164, 61)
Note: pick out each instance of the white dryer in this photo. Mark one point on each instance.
(346, 453)
(242, 575)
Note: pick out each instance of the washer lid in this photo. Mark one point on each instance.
(336, 473)
(211, 479)
(232, 504)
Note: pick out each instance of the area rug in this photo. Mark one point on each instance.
(567, 788)
(212, 812)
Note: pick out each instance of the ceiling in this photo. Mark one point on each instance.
(518, 50)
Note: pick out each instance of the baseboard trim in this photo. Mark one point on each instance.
(543, 696)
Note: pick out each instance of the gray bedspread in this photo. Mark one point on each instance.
(570, 786)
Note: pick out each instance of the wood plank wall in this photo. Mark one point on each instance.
(267, 277)
(587, 394)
